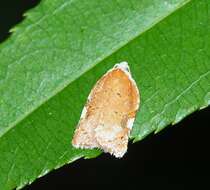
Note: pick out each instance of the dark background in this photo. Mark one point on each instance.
(176, 158)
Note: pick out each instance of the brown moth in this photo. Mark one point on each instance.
(108, 116)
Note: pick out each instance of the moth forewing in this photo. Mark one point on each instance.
(108, 116)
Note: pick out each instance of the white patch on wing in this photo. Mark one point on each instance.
(130, 123)
(84, 111)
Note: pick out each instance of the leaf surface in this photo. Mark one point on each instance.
(47, 73)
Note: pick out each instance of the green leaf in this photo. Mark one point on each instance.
(46, 73)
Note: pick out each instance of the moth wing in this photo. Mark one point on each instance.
(108, 116)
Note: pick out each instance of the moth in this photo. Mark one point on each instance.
(108, 116)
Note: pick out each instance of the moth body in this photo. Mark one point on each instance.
(108, 116)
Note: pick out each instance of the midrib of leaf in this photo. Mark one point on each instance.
(99, 59)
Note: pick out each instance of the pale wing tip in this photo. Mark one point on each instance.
(123, 65)
(119, 154)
